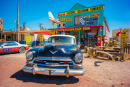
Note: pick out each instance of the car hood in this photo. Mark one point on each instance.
(57, 50)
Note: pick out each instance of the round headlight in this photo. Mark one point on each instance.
(29, 55)
(78, 58)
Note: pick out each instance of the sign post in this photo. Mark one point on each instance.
(124, 40)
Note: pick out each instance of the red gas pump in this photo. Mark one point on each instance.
(99, 40)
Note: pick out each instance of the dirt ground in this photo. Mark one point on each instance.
(98, 73)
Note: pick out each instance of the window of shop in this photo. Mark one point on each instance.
(76, 20)
(22, 37)
(90, 37)
(32, 37)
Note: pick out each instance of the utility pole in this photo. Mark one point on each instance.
(18, 18)
(40, 25)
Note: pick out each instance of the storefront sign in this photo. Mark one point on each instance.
(52, 31)
(77, 29)
(96, 15)
(86, 28)
(82, 10)
(68, 19)
(62, 19)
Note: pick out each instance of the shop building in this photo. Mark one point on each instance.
(87, 24)
(30, 37)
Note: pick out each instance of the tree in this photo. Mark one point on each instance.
(117, 39)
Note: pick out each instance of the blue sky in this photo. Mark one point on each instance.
(33, 12)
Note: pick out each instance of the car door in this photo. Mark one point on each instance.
(8, 47)
(16, 47)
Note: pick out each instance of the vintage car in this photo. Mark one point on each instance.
(60, 56)
(12, 46)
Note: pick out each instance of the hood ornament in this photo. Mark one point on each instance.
(53, 52)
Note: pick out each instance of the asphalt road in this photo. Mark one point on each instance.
(98, 73)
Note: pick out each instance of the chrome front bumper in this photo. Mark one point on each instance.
(53, 72)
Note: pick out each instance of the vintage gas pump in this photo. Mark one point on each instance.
(99, 40)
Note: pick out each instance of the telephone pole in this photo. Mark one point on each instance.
(40, 25)
(18, 18)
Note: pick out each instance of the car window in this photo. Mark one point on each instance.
(15, 43)
(1, 43)
(9, 44)
(60, 39)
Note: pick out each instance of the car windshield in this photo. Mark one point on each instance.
(1, 43)
(61, 39)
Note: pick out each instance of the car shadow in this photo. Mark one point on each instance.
(58, 80)
(96, 63)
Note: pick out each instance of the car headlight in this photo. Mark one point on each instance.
(78, 58)
(29, 55)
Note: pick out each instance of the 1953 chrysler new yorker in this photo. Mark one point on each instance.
(59, 57)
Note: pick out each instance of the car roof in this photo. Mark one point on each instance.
(63, 36)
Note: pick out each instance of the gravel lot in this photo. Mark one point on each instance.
(98, 73)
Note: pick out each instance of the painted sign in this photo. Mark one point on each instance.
(62, 19)
(96, 15)
(68, 19)
(87, 16)
(82, 10)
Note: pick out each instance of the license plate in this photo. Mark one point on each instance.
(52, 63)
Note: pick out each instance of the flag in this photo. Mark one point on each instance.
(118, 34)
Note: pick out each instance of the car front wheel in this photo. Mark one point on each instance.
(22, 50)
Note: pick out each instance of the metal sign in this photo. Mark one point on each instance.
(124, 37)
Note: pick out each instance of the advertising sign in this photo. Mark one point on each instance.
(82, 10)
(28, 39)
(88, 21)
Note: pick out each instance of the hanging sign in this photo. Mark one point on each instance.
(52, 31)
(53, 23)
